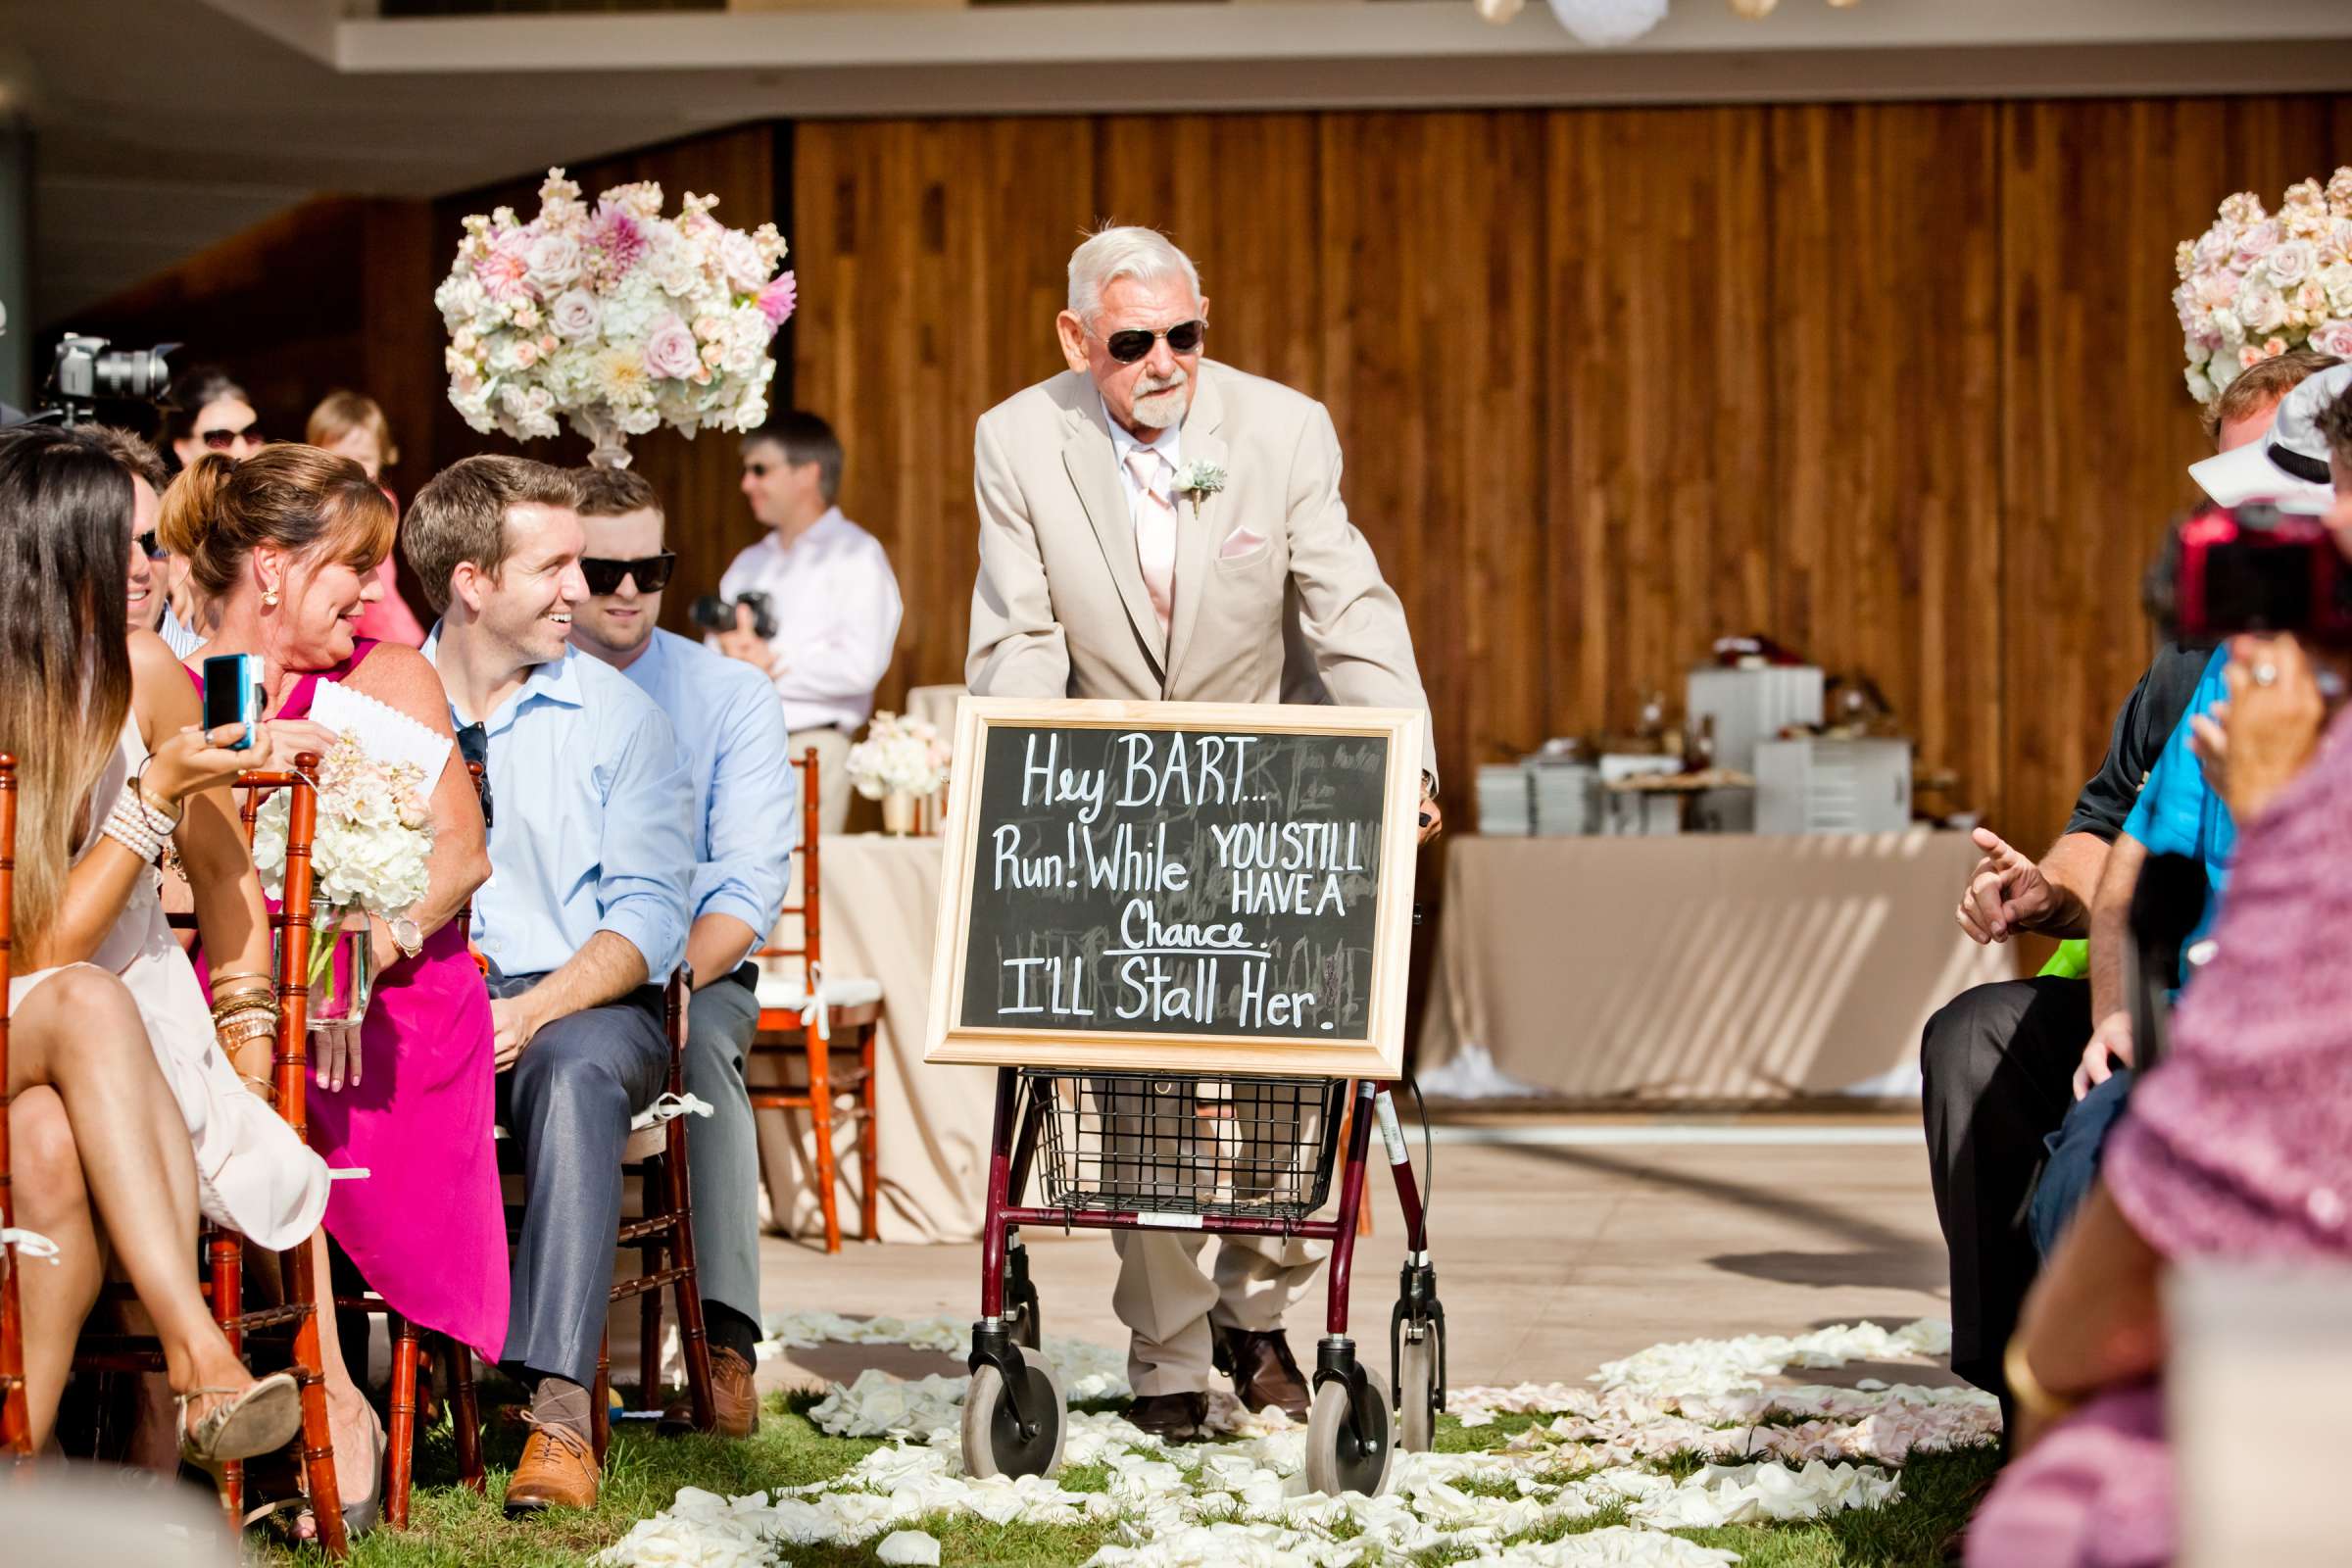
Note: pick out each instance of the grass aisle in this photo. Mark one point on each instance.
(451, 1526)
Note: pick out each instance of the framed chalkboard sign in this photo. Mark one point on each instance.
(1189, 887)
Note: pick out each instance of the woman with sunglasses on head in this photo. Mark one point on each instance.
(204, 410)
(99, 1141)
(283, 548)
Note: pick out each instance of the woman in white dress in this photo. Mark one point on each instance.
(97, 1134)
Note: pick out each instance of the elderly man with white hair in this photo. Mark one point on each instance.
(1158, 526)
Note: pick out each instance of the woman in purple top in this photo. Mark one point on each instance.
(2237, 1147)
(284, 548)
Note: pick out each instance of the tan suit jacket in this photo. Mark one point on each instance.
(1061, 610)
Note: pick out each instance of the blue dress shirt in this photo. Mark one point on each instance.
(747, 800)
(591, 816)
(2177, 811)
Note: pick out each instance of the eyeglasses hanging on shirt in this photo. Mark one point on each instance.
(474, 745)
(604, 574)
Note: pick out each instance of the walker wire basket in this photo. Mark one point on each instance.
(1260, 1147)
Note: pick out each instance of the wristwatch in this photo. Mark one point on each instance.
(407, 935)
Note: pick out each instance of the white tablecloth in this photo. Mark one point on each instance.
(881, 900)
(1703, 965)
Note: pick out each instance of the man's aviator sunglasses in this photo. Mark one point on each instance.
(650, 571)
(1135, 342)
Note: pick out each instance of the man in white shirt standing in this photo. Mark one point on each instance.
(829, 587)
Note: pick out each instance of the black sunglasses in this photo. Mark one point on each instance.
(652, 572)
(474, 745)
(222, 440)
(1135, 342)
(150, 546)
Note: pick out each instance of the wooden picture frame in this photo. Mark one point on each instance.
(1380, 1055)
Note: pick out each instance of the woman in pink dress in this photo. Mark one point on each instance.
(284, 546)
(352, 425)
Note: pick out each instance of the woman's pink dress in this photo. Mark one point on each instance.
(427, 1226)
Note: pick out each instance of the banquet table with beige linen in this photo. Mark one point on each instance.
(879, 910)
(1710, 967)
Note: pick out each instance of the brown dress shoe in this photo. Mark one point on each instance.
(1264, 1376)
(557, 1470)
(732, 1396)
(1172, 1418)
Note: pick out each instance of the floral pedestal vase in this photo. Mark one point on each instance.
(608, 445)
(897, 814)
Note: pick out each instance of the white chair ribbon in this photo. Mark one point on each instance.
(816, 1000)
(670, 1107)
(30, 1244)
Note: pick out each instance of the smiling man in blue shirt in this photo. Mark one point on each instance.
(745, 822)
(584, 915)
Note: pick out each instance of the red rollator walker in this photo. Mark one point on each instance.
(1228, 1156)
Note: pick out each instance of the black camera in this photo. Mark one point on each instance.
(87, 371)
(2252, 568)
(714, 613)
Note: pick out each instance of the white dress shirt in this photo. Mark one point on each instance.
(837, 610)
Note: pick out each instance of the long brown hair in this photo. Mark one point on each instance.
(64, 654)
(295, 497)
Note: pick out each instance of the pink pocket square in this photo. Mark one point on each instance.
(1241, 542)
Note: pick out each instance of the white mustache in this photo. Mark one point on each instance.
(1145, 386)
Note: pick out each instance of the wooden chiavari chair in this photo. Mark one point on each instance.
(293, 1325)
(807, 1017)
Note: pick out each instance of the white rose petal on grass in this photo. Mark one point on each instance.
(909, 1548)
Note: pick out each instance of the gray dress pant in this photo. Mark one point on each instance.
(567, 1103)
(722, 1149)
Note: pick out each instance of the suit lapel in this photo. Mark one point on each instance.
(1197, 523)
(1095, 474)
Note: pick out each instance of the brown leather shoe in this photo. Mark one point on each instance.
(732, 1396)
(1172, 1418)
(557, 1470)
(1264, 1376)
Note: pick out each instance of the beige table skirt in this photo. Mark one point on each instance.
(1703, 967)
(881, 900)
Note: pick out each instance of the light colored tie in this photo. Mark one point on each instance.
(1155, 529)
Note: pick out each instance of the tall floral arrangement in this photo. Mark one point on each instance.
(2257, 284)
(613, 316)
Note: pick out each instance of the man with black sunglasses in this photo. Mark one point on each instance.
(730, 729)
(1158, 527)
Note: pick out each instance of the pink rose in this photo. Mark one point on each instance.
(2257, 241)
(777, 299)
(2334, 337)
(527, 352)
(554, 260)
(669, 348)
(573, 314)
(740, 262)
(2292, 262)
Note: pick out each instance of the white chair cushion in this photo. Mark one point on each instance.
(786, 989)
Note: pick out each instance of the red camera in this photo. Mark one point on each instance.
(2252, 568)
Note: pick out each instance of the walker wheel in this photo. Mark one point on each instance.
(1336, 1461)
(993, 1441)
(1417, 1388)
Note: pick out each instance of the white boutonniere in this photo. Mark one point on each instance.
(1199, 479)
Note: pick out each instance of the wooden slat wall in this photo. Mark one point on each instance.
(1896, 384)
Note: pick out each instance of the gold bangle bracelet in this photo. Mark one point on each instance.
(223, 1013)
(224, 977)
(2026, 1388)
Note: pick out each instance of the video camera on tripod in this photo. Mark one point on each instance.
(87, 371)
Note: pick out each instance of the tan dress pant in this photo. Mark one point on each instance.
(832, 777)
(1167, 1304)
(1158, 1138)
